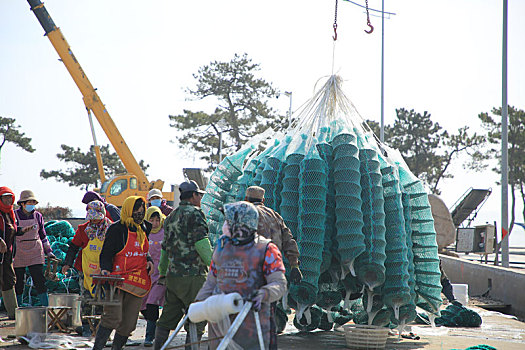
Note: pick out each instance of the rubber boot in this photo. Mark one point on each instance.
(102, 337)
(161, 335)
(118, 342)
(86, 330)
(10, 302)
(19, 299)
(150, 333)
(43, 299)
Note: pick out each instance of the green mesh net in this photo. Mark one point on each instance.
(330, 244)
(362, 221)
(272, 175)
(312, 189)
(370, 264)
(347, 183)
(396, 289)
(219, 188)
(456, 315)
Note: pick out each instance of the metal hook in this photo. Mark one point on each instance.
(371, 28)
(335, 32)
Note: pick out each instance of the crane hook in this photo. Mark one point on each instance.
(371, 28)
(335, 32)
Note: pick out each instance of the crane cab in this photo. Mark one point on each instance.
(120, 187)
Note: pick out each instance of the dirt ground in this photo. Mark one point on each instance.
(498, 330)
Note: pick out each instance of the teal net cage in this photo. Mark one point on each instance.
(361, 219)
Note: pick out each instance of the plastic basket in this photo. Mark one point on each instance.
(365, 337)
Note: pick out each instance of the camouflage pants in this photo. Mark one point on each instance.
(180, 293)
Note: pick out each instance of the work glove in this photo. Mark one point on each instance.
(295, 275)
(257, 299)
(161, 281)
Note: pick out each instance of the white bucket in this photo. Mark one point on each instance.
(461, 293)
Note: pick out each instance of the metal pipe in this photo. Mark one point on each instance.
(382, 132)
(504, 146)
(235, 326)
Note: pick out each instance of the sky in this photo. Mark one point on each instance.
(442, 56)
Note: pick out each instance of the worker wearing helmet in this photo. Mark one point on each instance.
(155, 200)
(249, 264)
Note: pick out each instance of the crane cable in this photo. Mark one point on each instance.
(334, 36)
(368, 20)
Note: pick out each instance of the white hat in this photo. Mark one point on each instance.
(154, 193)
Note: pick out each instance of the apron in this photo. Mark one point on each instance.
(29, 250)
(240, 269)
(130, 263)
(90, 262)
(156, 294)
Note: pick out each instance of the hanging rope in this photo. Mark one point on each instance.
(368, 20)
(335, 22)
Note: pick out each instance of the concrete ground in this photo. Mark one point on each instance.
(498, 330)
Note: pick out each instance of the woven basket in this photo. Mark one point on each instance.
(365, 337)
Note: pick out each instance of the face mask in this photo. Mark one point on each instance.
(156, 202)
(138, 217)
(30, 208)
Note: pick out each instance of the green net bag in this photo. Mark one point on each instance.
(347, 184)
(330, 246)
(312, 202)
(272, 175)
(396, 289)
(370, 266)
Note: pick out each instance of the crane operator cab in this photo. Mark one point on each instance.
(117, 188)
(120, 187)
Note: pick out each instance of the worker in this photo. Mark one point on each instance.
(7, 238)
(249, 264)
(446, 287)
(125, 253)
(271, 226)
(32, 246)
(112, 211)
(155, 297)
(88, 239)
(155, 200)
(184, 260)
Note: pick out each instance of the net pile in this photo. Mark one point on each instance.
(361, 219)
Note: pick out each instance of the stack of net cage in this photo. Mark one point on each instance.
(361, 219)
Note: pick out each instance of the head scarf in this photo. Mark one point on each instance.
(8, 209)
(127, 219)
(242, 218)
(150, 212)
(96, 211)
(92, 196)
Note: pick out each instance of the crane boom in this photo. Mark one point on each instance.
(90, 97)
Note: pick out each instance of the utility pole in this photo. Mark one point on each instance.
(504, 147)
(382, 131)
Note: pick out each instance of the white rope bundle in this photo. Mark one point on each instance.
(215, 308)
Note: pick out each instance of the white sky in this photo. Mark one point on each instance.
(440, 56)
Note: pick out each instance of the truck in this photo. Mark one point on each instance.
(117, 188)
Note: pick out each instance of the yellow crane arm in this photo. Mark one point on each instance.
(89, 94)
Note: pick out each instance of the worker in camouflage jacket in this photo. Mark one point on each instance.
(185, 257)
